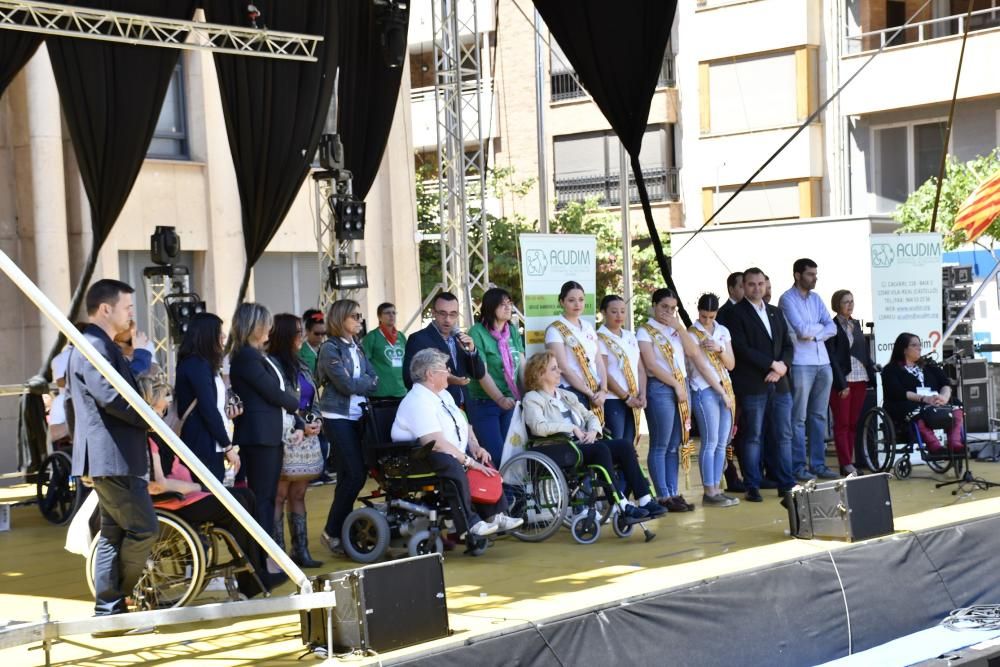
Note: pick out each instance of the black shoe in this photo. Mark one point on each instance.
(654, 509)
(753, 495)
(768, 484)
(633, 514)
(736, 487)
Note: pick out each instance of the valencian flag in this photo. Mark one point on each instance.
(979, 211)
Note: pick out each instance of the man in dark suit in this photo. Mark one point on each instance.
(443, 334)
(734, 285)
(763, 356)
(109, 445)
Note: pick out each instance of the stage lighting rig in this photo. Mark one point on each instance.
(391, 17)
(347, 277)
(350, 218)
(180, 309)
(165, 246)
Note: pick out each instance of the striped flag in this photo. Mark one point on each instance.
(979, 211)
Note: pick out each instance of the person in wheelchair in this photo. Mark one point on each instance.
(911, 386)
(550, 410)
(173, 488)
(428, 414)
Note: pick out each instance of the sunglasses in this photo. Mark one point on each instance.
(357, 316)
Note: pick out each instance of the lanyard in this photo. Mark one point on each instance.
(458, 431)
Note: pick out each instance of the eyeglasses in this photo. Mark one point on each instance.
(357, 316)
(451, 315)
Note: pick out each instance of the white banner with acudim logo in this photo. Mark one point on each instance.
(548, 261)
(906, 290)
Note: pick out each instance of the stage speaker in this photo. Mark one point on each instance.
(382, 607)
(854, 508)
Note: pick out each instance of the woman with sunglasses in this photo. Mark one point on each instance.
(347, 379)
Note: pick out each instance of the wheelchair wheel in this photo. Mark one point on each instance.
(365, 536)
(903, 468)
(422, 543)
(618, 524)
(536, 492)
(879, 439)
(585, 528)
(59, 493)
(175, 569)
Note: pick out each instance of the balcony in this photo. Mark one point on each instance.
(662, 184)
(918, 66)
(564, 86)
(424, 115)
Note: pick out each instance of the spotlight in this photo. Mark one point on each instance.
(180, 309)
(165, 246)
(347, 277)
(331, 152)
(350, 218)
(392, 18)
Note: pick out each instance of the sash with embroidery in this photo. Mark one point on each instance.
(630, 379)
(581, 357)
(715, 358)
(683, 407)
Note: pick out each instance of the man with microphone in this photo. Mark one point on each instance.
(443, 334)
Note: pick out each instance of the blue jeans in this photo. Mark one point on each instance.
(811, 389)
(778, 452)
(664, 437)
(490, 423)
(715, 423)
(619, 420)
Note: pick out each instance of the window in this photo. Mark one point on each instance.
(287, 282)
(170, 136)
(753, 93)
(587, 166)
(563, 79)
(904, 157)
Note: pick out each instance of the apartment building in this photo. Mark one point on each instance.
(187, 182)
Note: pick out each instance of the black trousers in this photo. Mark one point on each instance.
(608, 453)
(211, 509)
(345, 441)
(263, 470)
(128, 531)
(464, 513)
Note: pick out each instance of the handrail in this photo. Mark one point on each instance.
(923, 35)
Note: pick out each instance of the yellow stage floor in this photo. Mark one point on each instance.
(513, 582)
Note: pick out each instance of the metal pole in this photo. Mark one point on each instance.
(139, 405)
(625, 201)
(543, 177)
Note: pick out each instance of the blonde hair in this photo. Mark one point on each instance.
(339, 311)
(154, 387)
(535, 368)
(246, 320)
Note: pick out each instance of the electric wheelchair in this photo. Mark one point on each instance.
(409, 507)
(549, 486)
(888, 446)
(183, 561)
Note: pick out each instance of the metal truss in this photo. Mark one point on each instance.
(332, 252)
(160, 282)
(458, 46)
(136, 29)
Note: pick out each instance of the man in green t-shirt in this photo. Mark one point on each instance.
(385, 347)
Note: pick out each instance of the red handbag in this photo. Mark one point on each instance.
(484, 489)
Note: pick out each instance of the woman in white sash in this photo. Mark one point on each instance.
(574, 344)
(626, 376)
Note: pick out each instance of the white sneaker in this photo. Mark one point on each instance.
(505, 523)
(483, 528)
(216, 584)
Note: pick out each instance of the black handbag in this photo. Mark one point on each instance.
(937, 416)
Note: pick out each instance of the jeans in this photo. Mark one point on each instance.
(715, 423)
(263, 470)
(811, 389)
(490, 423)
(846, 412)
(345, 439)
(128, 531)
(778, 452)
(619, 420)
(664, 437)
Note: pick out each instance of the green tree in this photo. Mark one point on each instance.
(959, 181)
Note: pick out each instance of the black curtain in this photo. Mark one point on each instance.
(367, 91)
(16, 49)
(274, 110)
(617, 51)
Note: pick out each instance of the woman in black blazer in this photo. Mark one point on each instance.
(853, 371)
(265, 399)
(198, 379)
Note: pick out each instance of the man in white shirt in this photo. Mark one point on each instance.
(428, 414)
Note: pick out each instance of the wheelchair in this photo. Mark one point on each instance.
(549, 486)
(888, 446)
(409, 508)
(57, 493)
(184, 559)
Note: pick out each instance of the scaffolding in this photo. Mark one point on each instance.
(329, 185)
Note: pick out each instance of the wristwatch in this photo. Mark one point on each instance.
(467, 463)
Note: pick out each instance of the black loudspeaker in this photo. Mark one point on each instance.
(382, 607)
(854, 508)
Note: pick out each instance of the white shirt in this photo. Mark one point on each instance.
(675, 342)
(57, 412)
(630, 346)
(586, 335)
(721, 336)
(762, 314)
(354, 412)
(422, 412)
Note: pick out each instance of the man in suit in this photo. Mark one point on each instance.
(734, 285)
(763, 356)
(443, 334)
(109, 445)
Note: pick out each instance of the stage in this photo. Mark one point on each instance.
(725, 570)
